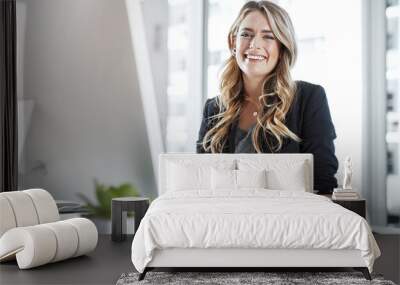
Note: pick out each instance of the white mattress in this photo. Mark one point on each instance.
(252, 218)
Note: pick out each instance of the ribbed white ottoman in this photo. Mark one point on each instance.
(31, 233)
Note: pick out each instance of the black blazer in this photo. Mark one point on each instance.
(309, 118)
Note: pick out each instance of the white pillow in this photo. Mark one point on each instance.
(181, 177)
(227, 179)
(223, 179)
(292, 179)
(251, 179)
(281, 175)
(188, 175)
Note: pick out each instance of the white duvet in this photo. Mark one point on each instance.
(252, 218)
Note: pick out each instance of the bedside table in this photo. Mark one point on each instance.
(357, 206)
(119, 209)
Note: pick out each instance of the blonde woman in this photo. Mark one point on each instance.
(261, 109)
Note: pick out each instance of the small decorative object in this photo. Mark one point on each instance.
(348, 172)
(347, 192)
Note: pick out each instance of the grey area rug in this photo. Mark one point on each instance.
(229, 278)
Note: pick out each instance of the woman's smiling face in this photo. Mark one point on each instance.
(257, 49)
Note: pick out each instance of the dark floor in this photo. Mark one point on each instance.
(111, 259)
(389, 262)
(103, 266)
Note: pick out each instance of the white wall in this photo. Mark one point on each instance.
(88, 119)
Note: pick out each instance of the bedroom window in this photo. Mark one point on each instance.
(221, 14)
(393, 111)
(185, 73)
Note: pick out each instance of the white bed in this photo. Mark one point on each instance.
(204, 221)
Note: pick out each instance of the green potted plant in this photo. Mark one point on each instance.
(100, 212)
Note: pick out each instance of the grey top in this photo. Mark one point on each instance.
(243, 142)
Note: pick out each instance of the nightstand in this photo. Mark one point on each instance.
(119, 209)
(357, 206)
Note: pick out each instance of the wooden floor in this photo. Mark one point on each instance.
(111, 259)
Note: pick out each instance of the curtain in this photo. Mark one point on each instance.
(8, 97)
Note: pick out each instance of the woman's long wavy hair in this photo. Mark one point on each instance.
(278, 87)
